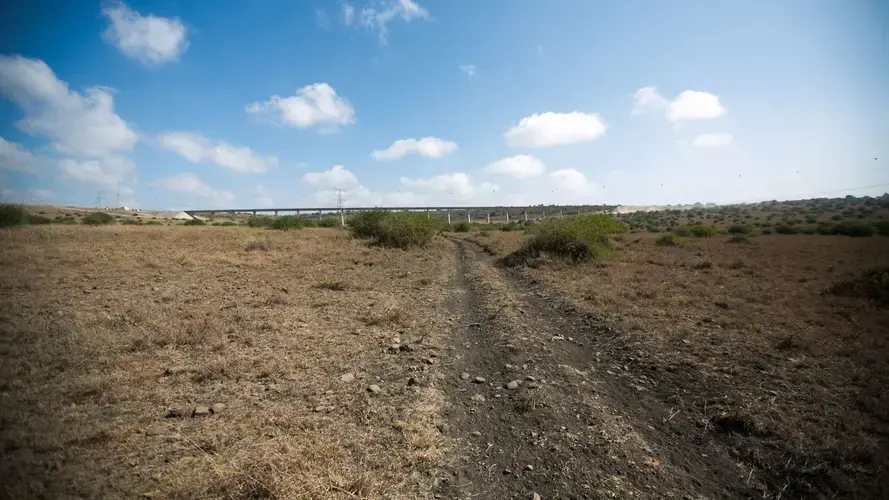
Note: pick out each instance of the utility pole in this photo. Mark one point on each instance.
(341, 205)
(118, 194)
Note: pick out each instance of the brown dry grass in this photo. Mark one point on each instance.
(750, 331)
(106, 332)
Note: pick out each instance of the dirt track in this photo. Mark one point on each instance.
(586, 420)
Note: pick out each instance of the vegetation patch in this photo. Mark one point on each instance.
(194, 222)
(575, 238)
(259, 245)
(394, 229)
(329, 222)
(98, 219)
(872, 285)
(461, 227)
(670, 240)
(739, 238)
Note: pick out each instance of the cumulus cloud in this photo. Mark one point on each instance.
(688, 105)
(149, 39)
(452, 187)
(195, 148)
(713, 140)
(106, 172)
(16, 158)
(572, 181)
(34, 195)
(378, 18)
(79, 124)
(192, 184)
(469, 69)
(427, 147)
(517, 167)
(316, 104)
(336, 177)
(348, 15)
(555, 129)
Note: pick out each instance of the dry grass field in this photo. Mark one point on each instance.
(244, 363)
(116, 340)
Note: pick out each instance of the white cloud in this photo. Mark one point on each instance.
(453, 188)
(379, 18)
(106, 172)
(572, 181)
(555, 129)
(263, 199)
(348, 15)
(321, 19)
(34, 195)
(150, 39)
(713, 140)
(316, 104)
(469, 69)
(517, 167)
(688, 105)
(428, 147)
(80, 125)
(195, 148)
(336, 177)
(16, 158)
(192, 184)
(648, 98)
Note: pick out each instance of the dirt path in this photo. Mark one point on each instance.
(584, 421)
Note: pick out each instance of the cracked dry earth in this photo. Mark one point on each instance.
(546, 403)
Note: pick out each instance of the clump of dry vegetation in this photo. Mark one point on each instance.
(872, 285)
(169, 363)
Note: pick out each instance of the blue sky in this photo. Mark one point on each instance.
(430, 102)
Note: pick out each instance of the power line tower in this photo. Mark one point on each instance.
(100, 196)
(118, 194)
(341, 204)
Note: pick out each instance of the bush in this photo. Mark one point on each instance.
(873, 284)
(98, 219)
(510, 226)
(195, 222)
(12, 215)
(670, 240)
(329, 222)
(228, 223)
(394, 229)
(701, 231)
(766, 231)
(259, 221)
(738, 238)
(856, 229)
(461, 227)
(131, 222)
(882, 227)
(683, 231)
(576, 238)
(703, 265)
(785, 229)
(739, 229)
(153, 223)
(288, 222)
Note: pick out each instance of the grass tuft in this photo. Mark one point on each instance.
(259, 245)
(670, 240)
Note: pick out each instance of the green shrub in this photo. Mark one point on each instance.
(153, 223)
(856, 229)
(739, 229)
(394, 229)
(576, 238)
(510, 226)
(670, 240)
(38, 220)
(229, 223)
(738, 238)
(366, 224)
(808, 229)
(766, 231)
(785, 229)
(461, 227)
(12, 215)
(195, 222)
(131, 222)
(683, 231)
(882, 227)
(329, 222)
(98, 219)
(703, 265)
(288, 222)
(654, 229)
(259, 221)
(701, 231)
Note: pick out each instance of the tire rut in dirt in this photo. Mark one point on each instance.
(573, 428)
